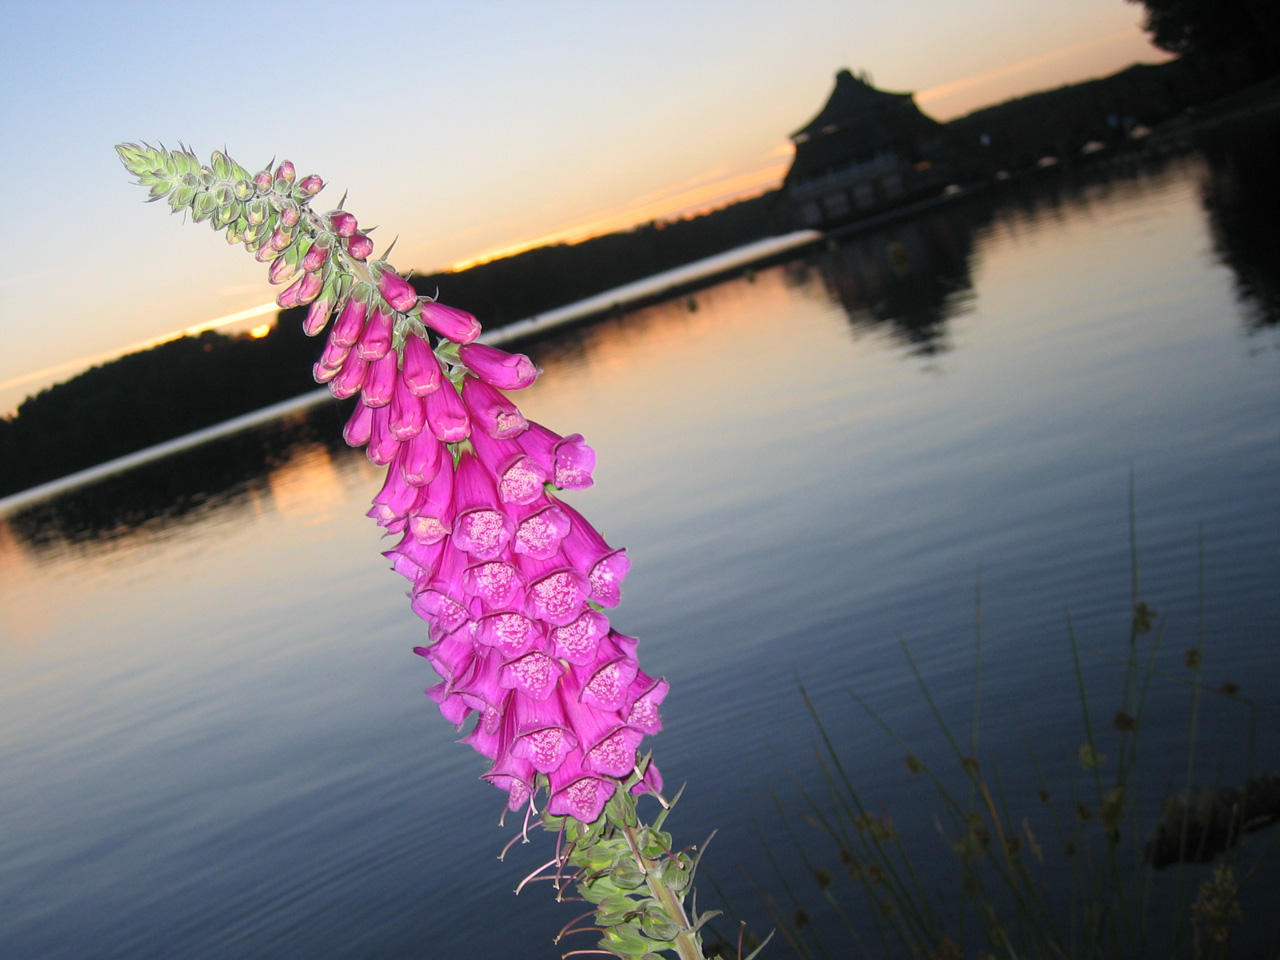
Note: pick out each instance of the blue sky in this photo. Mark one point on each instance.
(461, 128)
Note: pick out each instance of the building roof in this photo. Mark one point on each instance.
(858, 121)
(851, 101)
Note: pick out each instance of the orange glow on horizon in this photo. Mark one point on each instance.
(946, 91)
(695, 195)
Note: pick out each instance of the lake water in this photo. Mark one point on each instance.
(213, 739)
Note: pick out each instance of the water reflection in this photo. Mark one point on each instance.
(911, 277)
(1240, 191)
(153, 500)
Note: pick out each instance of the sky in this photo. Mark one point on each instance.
(463, 130)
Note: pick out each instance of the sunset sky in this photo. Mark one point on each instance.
(464, 129)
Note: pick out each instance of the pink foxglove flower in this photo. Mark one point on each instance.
(506, 371)
(396, 290)
(450, 322)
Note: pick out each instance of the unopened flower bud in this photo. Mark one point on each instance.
(255, 211)
(243, 189)
(281, 270)
(359, 246)
(458, 325)
(288, 213)
(263, 181)
(397, 291)
(311, 185)
(317, 316)
(285, 172)
(316, 258)
(281, 239)
(342, 223)
(265, 253)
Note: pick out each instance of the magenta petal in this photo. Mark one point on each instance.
(380, 381)
(539, 534)
(579, 640)
(408, 413)
(577, 793)
(431, 519)
(652, 780)
(359, 246)
(375, 339)
(394, 500)
(541, 734)
(491, 735)
(520, 479)
(415, 561)
(494, 582)
(350, 324)
(608, 745)
(359, 427)
(479, 686)
(646, 694)
(535, 675)
(574, 463)
(421, 369)
(491, 411)
(607, 683)
(420, 457)
(446, 415)
(441, 613)
(397, 291)
(506, 371)
(556, 597)
(383, 445)
(317, 316)
(511, 634)
(452, 706)
(567, 461)
(342, 223)
(516, 776)
(481, 529)
(457, 325)
(349, 379)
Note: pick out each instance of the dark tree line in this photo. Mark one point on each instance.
(156, 395)
(1244, 30)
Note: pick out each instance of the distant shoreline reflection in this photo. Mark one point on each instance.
(910, 277)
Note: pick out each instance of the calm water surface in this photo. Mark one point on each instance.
(212, 735)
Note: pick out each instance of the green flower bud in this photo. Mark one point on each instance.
(159, 190)
(221, 165)
(256, 211)
(183, 196)
(244, 189)
(203, 208)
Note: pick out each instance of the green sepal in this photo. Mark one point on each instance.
(221, 164)
(628, 875)
(243, 188)
(256, 211)
(675, 875)
(203, 207)
(658, 926)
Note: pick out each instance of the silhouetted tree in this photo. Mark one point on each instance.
(1218, 29)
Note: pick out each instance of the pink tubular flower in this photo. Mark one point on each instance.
(375, 340)
(380, 381)
(506, 371)
(421, 369)
(491, 411)
(347, 328)
(450, 322)
(408, 413)
(397, 291)
(349, 379)
(317, 317)
(446, 416)
(567, 461)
